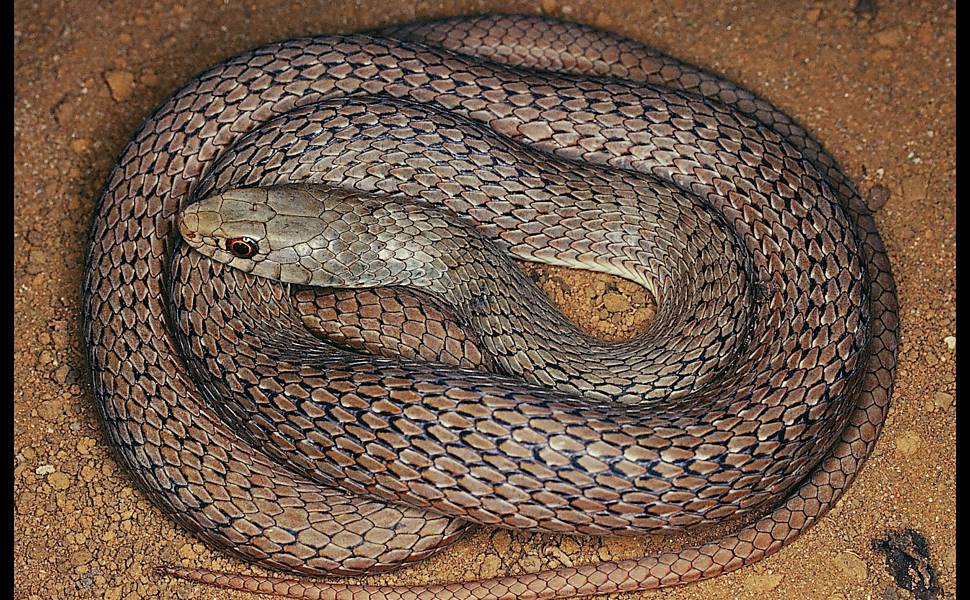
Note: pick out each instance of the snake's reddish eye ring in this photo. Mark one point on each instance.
(242, 247)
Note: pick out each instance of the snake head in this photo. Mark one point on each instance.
(296, 234)
(273, 232)
(230, 227)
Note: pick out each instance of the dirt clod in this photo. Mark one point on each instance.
(908, 561)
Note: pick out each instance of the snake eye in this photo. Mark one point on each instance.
(242, 247)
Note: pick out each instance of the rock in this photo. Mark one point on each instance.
(603, 20)
(81, 557)
(908, 561)
(908, 442)
(763, 582)
(812, 15)
(942, 400)
(44, 470)
(531, 564)
(38, 261)
(890, 37)
(64, 375)
(85, 444)
(80, 145)
(878, 196)
(853, 567)
(88, 473)
(490, 566)
(51, 410)
(121, 84)
(951, 342)
(113, 594)
(561, 556)
(882, 55)
(59, 481)
(187, 552)
(569, 546)
(501, 541)
(614, 302)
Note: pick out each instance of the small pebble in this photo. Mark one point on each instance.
(942, 400)
(882, 55)
(530, 564)
(852, 566)
(763, 582)
(951, 342)
(80, 145)
(38, 261)
(81, 557)
(563, 558)
(614, 302)
(113, 594)
(569, 546)
(890, 37)
(59, 481)
(501, 541)
(45, 470)
(85, 444)
(187, 552)
(490, 566)
(812, 15)
(88, 473)
(121, 84)
(878, 196)
(908, 442)
(51, 410)
(603, 20)
(64, 375)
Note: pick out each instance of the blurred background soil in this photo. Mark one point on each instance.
(875, 81)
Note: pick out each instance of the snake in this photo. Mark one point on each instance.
(415, 163)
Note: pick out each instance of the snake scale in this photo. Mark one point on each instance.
(764, 380)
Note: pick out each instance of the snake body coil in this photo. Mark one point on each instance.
(766, 374)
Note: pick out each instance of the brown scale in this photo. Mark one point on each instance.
(267, 503)
(390, 323)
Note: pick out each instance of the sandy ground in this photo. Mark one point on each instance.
(875, 83)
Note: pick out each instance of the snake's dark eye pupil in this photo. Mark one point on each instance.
(242, 247)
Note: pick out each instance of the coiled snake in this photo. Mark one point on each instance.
(766, 374)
